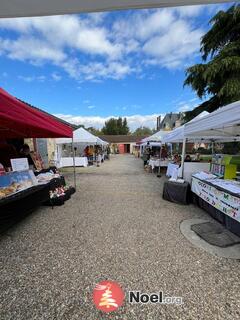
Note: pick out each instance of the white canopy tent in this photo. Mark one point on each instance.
(224, 123)
(70, 151)
(102, 142)
(177, 135)
(151, 144)
(156, 137)
(79, 136)
(30, 8)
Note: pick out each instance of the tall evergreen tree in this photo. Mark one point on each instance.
(143, 131)
(218, 77)
(125, 127)
(116, 126)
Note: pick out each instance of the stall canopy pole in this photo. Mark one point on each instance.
(74, 167)
(159, 168)
(171, 150)
(183, 156)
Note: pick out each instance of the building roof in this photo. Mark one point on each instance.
(121, 138)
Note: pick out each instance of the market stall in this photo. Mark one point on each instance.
(68, 162)
(220, 198)
(18, 120)
(67, 154)
(218, 192)
(150, 150)
(21, 189)
(104, 145)
(153, 140)
(178, 136)
(153, 163)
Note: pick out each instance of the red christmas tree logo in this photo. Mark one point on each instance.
(108, 296)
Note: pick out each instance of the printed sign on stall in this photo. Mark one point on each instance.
(220, 200)
(19, 164)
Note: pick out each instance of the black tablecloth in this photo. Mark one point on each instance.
(177, 192)
(16, 207)
(230, 223)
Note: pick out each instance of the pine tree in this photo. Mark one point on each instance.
(125, 126)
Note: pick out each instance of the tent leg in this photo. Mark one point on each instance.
(183, 157)
(212, 148)
(35, 144)
(159, 168)
(74, 167)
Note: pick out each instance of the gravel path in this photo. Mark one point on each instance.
(115, 227)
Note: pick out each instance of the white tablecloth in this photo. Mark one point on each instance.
(157, 163)
(171, 168)
(68, 162)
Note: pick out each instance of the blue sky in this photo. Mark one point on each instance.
(87, 68)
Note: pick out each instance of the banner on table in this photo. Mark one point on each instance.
(220, 200)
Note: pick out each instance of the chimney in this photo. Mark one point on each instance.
(158, 123)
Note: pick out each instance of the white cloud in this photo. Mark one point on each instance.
(26, 78)
(92, 47)
(49, 39)
(134, 121)
(65, 31)
(184, 106)
(56, 76)
(91, 107)
(190, 11)
(32, 49)
(32, 78)
(114, 70)
(144, 24)
(173, 48)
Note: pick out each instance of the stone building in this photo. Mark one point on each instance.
(170, 121)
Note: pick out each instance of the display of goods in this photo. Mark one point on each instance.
(47, 176)
(37, 160)
(2, 170)
(12, 182)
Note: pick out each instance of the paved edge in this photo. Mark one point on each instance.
(232, 252)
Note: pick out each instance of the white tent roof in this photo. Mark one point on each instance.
(151, 144)
(102, 142)
(79, 136)
(224, 122)
(158, 136)
(28, 8)
(178, 134)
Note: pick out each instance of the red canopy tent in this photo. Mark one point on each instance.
(18, 120)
